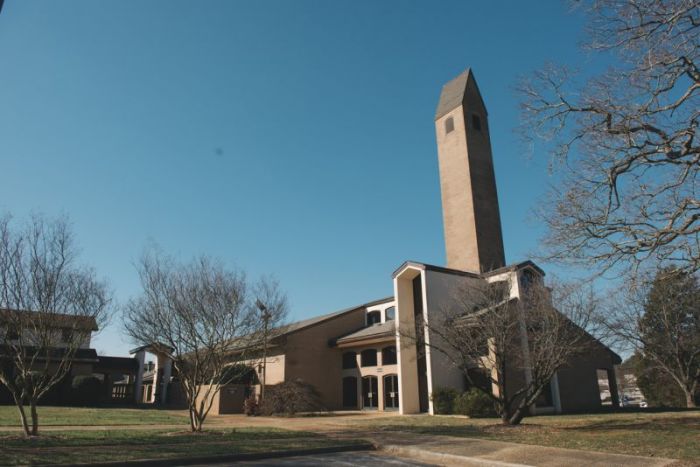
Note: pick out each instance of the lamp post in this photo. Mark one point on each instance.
(266, 315)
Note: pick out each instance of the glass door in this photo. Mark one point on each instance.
(391, 392)
(370, 394)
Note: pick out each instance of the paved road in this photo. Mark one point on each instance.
(344, 459)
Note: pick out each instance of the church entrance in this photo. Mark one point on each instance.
(370, 394)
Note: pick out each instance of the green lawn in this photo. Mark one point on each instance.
(663, 434)
(71, 447)
(9, 416)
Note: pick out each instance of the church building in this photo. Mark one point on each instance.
(358, 358)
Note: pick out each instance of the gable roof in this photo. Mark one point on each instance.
(387, 328)
(459, 272)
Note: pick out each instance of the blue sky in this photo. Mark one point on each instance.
(285, 137)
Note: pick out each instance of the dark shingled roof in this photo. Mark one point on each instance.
(376, 330)
(115, 364)
(292, 327)
(454, 93)
(286, 329)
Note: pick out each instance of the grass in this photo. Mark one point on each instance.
(665, 434)
(71, 447)
(9, 416)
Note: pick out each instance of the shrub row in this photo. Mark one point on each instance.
(287, 398)
(473, 403)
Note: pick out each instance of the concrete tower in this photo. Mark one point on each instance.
(471, 218)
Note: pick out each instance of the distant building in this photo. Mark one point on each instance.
(85, 361)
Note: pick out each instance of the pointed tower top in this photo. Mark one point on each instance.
(454, 93)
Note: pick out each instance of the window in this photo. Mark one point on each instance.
(12, 334)
(390, 313)
(449, 125)
(476, 122)
(389, 355)
(527, 278)
(349, 360)
(374, 317)
(368, 357)
(66, 335)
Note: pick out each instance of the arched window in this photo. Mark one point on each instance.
(389, 355)
(368, 357)
(390, 313)
(449, 125)
(349, 360)
(374, 317)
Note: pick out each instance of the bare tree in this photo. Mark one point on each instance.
(511, 348)
(199, 315)
(49, 306)
(659, 320)
(624, 141)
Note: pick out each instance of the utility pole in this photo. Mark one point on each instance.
(266, 315)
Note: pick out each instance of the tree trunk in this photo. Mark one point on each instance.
(193, 422)
(505, 417)
(517, 416)
(23, 418)
(35, 418)
(689, 399)
(198, 423)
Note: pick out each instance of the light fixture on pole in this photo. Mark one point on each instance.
(266, 315)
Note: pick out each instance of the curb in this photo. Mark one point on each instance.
(226, 457)
(442, 458)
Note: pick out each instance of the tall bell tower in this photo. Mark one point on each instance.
(471, 217)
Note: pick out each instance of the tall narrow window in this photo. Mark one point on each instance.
(449, 125)
(476, 122)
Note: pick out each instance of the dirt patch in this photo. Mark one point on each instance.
(510, 429)
(205, 433)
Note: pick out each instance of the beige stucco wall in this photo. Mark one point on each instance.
(310, 358)
(406, 346)
(275, 365)
(441, 289)
(55, 338)
(472, 225)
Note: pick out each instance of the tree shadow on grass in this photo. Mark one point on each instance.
(656, 424)
(467, 430)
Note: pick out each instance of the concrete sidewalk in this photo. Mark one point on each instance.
(449, 450)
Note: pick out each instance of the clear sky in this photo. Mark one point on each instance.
(285, 137)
